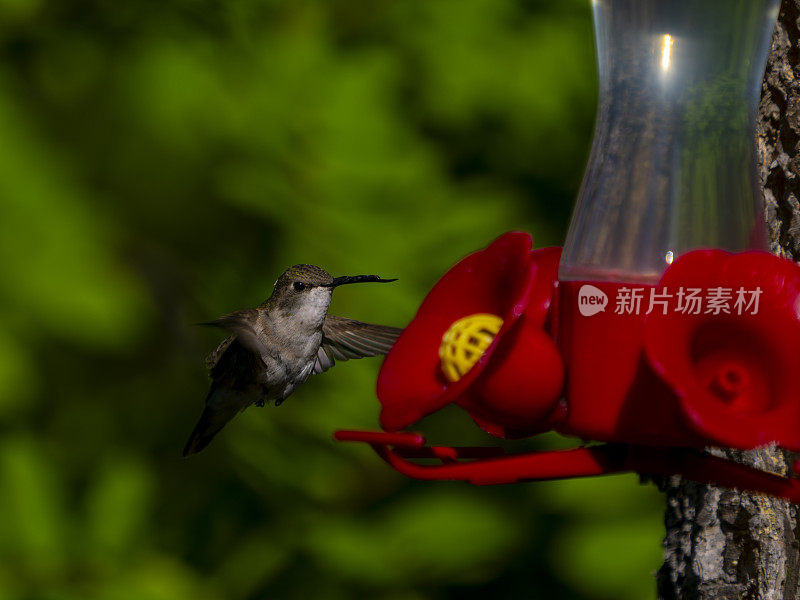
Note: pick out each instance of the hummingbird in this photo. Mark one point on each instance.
(273, 348)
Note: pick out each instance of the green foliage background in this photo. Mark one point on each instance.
(160, 164)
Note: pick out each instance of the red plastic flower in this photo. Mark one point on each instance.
(478, 339)
(733, 365)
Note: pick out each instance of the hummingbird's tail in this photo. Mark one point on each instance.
(210, 424)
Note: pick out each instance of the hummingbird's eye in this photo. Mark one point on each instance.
(299, 286)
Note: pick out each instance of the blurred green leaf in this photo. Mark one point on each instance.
(432, 537)
(118, 509)
(614, 558)
(35, 525)
(602, 497)
(58, 270)
(18, 383)
(155, 578)
(256, 561)
(18, 9)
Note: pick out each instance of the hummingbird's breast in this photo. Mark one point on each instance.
(293, 341)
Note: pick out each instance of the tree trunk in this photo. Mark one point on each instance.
(720, 543)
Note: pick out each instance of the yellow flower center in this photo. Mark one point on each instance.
(465, 342)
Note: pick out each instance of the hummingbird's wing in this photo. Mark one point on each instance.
(243, 324)
(343, 339)
(233, 388)
(212, 360)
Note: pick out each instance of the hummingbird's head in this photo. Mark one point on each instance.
(310, 287)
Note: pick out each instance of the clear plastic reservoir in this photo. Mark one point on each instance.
(672, 166)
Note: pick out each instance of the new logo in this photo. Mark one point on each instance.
(591, 300)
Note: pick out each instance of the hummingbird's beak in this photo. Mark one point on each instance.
(337, 281)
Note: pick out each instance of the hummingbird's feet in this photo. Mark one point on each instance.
(279, 401)
(264, 396)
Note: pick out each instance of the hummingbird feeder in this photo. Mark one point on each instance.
(664, 326)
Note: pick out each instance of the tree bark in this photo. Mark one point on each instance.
(720, 543)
